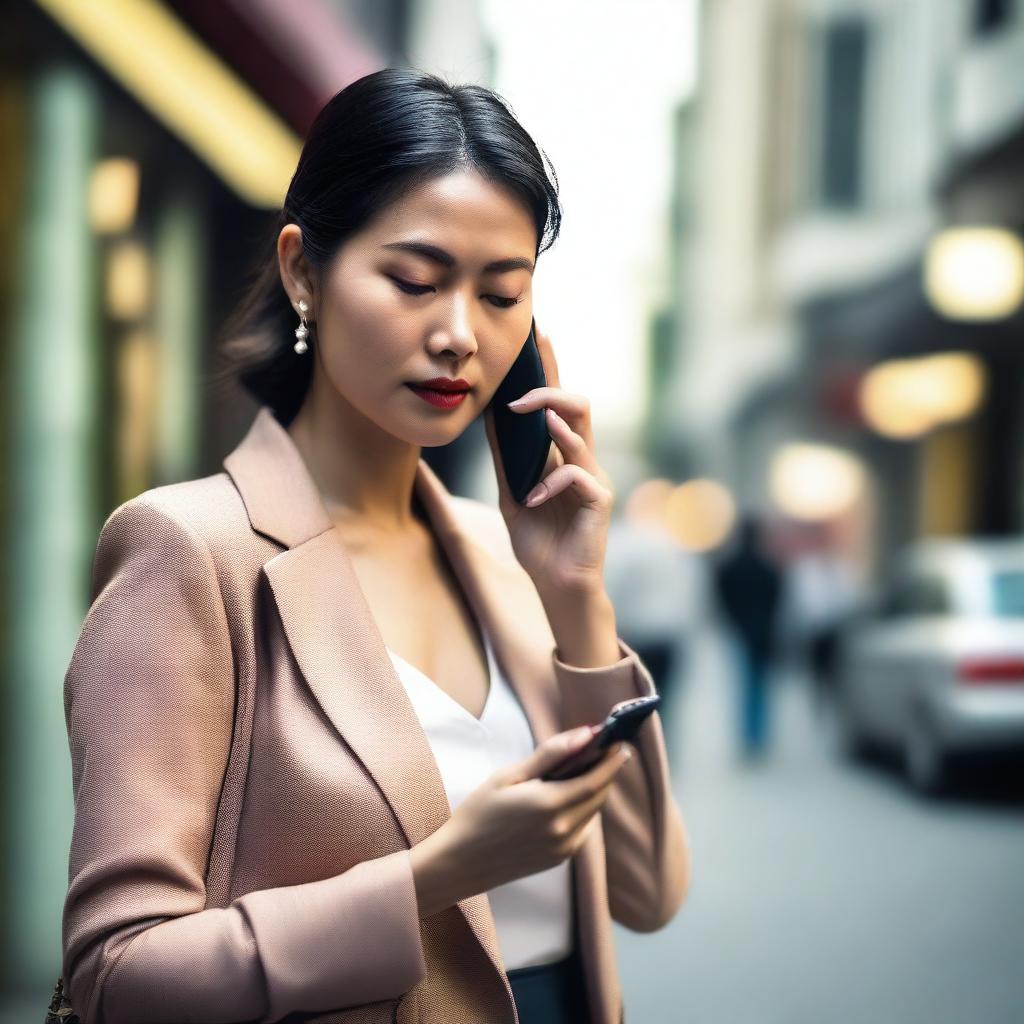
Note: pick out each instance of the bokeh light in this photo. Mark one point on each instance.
(975, 273)
(648, 501)
(906, 398)
(128, 281)
(113, 195)
(700, 514)
(815, 482)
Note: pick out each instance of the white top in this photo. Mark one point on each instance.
(532, 915)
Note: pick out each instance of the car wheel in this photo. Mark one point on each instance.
(925, 762)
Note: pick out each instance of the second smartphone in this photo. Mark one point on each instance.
(622, 723)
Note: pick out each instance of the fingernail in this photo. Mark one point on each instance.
(516, 402)
(535, 495)
(627, 754)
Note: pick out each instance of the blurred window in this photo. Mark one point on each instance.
(846, 45)
(929, 595)
(1008, 594)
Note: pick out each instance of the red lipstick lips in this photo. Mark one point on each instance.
(444, 384)
(442, 392)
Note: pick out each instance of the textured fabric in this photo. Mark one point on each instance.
(532, 915)
(249, 774)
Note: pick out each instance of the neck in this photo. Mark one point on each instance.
(366, 477)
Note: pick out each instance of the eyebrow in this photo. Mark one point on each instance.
(446, 259)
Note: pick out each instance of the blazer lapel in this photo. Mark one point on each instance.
(340, 650)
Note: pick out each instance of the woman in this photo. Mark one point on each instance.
(313, 695)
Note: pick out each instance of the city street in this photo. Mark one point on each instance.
(825, 893)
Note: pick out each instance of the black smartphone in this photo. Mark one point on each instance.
(522, 437)
(622, 723)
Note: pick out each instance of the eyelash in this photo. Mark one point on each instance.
(415, 289)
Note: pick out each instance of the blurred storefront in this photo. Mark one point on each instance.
(961, 474)
(860, 188)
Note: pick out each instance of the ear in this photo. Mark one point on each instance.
(296, 274)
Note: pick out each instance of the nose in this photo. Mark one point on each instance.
(454, 336)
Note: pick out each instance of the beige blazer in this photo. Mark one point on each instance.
(249, 774)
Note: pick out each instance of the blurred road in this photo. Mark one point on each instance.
(825, 893)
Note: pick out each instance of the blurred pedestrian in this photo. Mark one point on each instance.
(659, 591)
(749, 586)
(823, 593)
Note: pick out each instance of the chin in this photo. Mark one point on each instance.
(440, 437)
(423, 435)
(448, 427)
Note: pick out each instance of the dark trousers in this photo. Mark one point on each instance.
(754, 697)
(553, 993)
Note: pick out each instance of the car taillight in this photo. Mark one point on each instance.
(991, 671)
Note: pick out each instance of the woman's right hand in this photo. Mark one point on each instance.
(513, 824)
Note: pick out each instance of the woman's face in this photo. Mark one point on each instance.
(388, 316)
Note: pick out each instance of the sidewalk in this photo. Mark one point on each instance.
(825, 892)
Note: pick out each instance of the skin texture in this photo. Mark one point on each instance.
(361, 432)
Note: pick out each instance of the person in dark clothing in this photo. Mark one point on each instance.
(749, 587)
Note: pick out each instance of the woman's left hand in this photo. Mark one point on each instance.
(561, 538)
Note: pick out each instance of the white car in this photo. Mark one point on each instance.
(938, 670)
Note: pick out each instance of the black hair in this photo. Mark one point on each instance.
(378, 137)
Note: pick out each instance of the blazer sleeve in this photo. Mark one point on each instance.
(647, 848)
(149, 704)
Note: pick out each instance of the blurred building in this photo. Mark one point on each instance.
(144, 149)
(834, 146)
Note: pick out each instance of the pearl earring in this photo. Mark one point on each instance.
(302, 331)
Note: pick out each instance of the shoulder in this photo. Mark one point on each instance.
(191, 520)
(157, 597)
(206, 507)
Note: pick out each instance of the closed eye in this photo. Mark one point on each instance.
(501, 301)
(412, 289)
